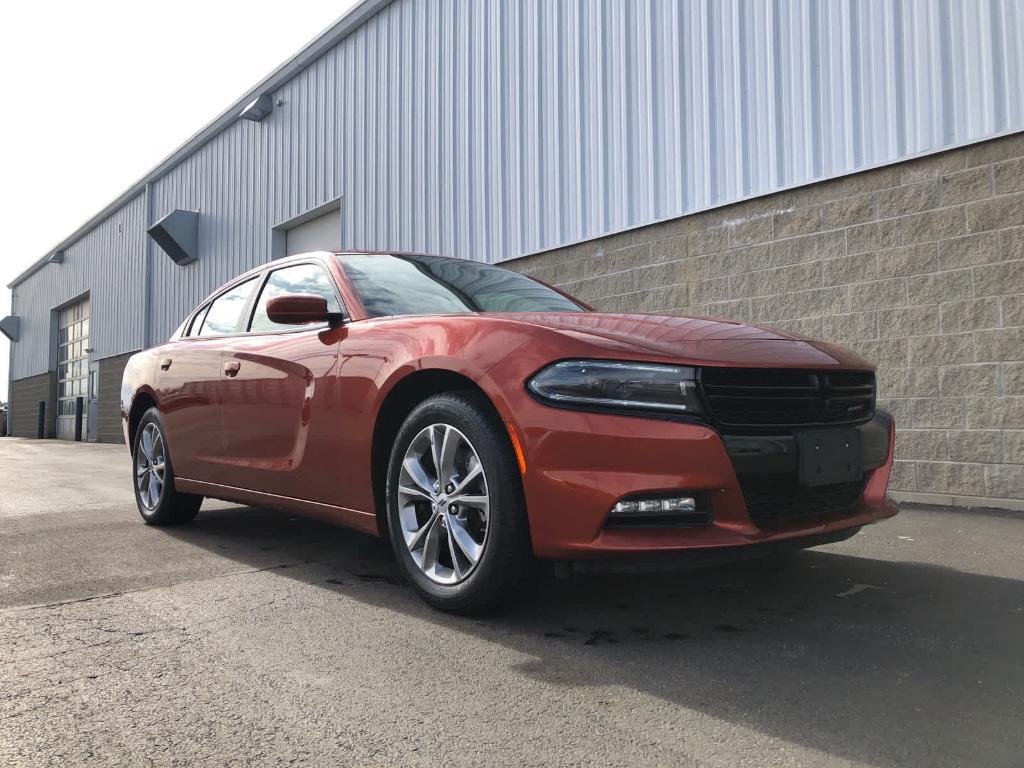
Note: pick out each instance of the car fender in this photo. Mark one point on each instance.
(137, 379)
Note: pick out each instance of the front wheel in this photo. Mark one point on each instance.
(159, 502)
(456, 514)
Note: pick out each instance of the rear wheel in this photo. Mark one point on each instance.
(159, 502)
(456, 514)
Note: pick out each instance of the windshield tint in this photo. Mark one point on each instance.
(432, 285)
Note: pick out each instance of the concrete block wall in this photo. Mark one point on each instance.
(918, 266)
(108, 427)
(25, 397)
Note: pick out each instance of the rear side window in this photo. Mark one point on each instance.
(197, 322)
(224, 312)
(302, 278)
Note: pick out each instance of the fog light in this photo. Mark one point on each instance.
(655, 506)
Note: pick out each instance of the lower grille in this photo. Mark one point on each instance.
(774, 501)
(695, 519)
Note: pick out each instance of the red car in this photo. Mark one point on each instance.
(483, 420)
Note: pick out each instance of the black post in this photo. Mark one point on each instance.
(79, 409)
(41, 423)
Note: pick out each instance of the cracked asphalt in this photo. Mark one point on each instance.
(253, 638)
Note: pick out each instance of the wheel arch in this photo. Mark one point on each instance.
(399, 402)
(142, 402)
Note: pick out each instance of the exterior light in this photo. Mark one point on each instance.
(671, 505)
(618, 386)
(258, 109)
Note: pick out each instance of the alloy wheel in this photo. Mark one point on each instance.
(150, 466)
(443, 504)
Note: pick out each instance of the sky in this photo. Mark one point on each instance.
(95, 94)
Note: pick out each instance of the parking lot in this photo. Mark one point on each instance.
(254, 638)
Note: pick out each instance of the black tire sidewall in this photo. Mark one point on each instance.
(171, 507)
(506, 514)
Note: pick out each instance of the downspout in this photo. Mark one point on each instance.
(10, 374)
(147, 271)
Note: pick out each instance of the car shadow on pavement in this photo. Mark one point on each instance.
(889, 663)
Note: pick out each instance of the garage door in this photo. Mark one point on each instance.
(72, 367)
(320, 234)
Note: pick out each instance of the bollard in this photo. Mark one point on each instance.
(79, 409)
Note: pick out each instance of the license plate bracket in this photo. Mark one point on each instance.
(829, 456)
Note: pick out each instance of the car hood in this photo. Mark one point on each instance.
(694, 339)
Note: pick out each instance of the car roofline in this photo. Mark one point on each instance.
(298, 257)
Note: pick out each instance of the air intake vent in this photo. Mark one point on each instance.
(753, 397)
(774, 501)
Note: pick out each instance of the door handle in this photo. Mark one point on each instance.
(231, 367)
(165, 363)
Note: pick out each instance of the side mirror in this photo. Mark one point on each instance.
(300, 309)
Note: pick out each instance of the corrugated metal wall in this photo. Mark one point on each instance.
(108, 264)
(493, 129)
(488, 129)
(250, 178)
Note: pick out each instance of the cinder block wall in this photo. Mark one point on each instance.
(918, 266)
(108, 427)
(25, 396)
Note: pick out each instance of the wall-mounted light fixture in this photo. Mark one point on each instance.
(258, 109)
(57, 257)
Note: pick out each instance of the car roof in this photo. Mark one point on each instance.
(299, 257)
(319, 254)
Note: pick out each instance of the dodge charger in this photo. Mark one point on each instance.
(484, 421)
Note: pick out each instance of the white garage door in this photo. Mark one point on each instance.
(320, 234)
(72, 367)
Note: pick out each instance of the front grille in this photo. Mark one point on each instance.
(774, 501)
(759, 397)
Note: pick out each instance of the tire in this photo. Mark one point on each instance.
(153, 476)
(439, 564)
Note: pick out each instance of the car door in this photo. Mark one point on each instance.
(188, 380)
(279, 394)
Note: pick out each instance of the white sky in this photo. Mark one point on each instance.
(95, 94)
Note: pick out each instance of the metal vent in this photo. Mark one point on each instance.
(177, 234)
(10, 327)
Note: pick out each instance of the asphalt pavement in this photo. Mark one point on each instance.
(254, 638)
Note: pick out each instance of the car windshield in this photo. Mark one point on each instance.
(432, 285)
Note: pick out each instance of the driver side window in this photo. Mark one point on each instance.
(309, 279)
(225, 311)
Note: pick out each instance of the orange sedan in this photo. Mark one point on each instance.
(484, 420)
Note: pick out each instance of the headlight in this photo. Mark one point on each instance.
(613, 385)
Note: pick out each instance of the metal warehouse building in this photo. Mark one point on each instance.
(850, 170)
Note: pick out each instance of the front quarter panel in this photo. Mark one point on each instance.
(496, 353)
(375, 355)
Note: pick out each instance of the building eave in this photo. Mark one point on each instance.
(335, 33)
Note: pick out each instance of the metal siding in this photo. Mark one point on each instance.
(488, 129)
(107, 263)
(245, 181)
(543, 123)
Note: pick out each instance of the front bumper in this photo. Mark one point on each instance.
(580, 464)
